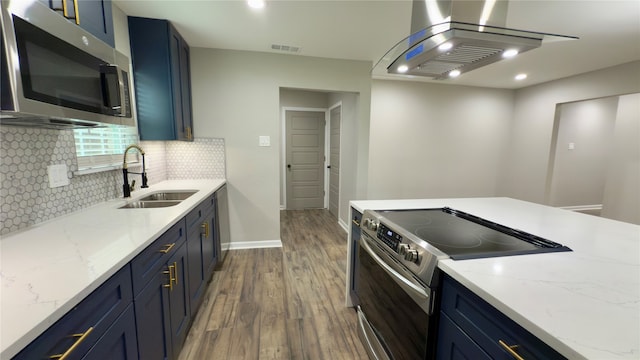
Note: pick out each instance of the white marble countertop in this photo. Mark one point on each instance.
(585, 304)
(49, 268)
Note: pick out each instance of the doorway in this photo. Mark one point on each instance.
(582, 138)
(305, 159)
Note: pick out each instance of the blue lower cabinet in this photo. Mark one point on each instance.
(162, 308)
(152, 319)
(469, 325)
(119, 342)
(180, 313)
(83, 326)
(355, 241)
(455, 344)
(201, 249)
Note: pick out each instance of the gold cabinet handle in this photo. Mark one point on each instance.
(355, 222)
(511, 349)
(171, 276)
(75, 10)
(175, 272)
(205, 229)
(167, 248)
(81, 337)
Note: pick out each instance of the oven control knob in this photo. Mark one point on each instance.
(371, 224)
(402, 249)
(411, 255)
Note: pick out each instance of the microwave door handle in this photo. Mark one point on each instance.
(401, 280)
(118, 108)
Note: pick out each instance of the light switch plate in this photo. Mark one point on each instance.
(264, 141)
(58, 175)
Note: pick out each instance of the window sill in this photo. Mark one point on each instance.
(98, 169)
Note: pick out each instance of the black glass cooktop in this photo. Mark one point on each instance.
(464, 236)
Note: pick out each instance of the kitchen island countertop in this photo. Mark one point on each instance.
(585, 303)
(48, 268)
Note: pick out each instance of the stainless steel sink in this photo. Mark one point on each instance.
(169, 195)
(160, 199)
(150, 204)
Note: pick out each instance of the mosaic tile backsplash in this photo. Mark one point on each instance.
(26, 198)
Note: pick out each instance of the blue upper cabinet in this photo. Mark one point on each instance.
(95, 16)
(162, 74)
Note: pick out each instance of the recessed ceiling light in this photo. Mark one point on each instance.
(521, 76)
(510, 53)
(256, 4)
(403, 68)
(454, 73)
(445, 46)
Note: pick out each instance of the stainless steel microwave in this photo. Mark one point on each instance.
(56, 74)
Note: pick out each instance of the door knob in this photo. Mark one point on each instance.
(288, 166)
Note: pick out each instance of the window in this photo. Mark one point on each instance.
(101, 149)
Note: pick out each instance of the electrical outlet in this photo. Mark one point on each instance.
(57, 175)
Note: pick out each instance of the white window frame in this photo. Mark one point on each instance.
(102, 149)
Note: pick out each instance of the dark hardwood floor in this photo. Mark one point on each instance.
(280, 303)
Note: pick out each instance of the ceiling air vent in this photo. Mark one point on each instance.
(285, 48)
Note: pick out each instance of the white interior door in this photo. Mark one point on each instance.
(305, 159)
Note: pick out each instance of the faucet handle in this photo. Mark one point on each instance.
(133, 185)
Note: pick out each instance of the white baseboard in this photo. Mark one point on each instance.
(343, 225)
(241, 245)
(583, 207)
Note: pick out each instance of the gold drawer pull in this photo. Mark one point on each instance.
(167, 248)
(511, 349)
(171, 276)
(175, 272)
(81, 338)
(75, 10)
(355, 222)
(205, 229)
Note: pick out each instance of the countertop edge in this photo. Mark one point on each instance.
(18, 345)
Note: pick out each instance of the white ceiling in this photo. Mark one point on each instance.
(609, 32)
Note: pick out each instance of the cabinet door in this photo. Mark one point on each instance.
(355, 238)
(180, 316)
(209, 246)
(455, 344)
(196, 274)
(185, 90)
(175, 47)
(119, 342)
(153, 324)
(96, 17)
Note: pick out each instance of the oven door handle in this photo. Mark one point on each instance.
(405, 283)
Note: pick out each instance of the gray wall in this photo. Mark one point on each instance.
(622, 190)
(526, 163)
(236, 96)
(434, 140)
(578, 176)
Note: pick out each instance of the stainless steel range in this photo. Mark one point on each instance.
(397, 275)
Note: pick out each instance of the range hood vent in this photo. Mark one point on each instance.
(456, 35)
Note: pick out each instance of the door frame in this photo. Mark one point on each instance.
(327, 156)
(283, 151)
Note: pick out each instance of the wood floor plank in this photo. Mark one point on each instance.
(280, 303)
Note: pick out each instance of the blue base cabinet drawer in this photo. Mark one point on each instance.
(485, 326)
(85, 324)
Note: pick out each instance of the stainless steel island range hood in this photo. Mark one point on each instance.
(451, 37)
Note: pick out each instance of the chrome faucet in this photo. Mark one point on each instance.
(126, 188)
